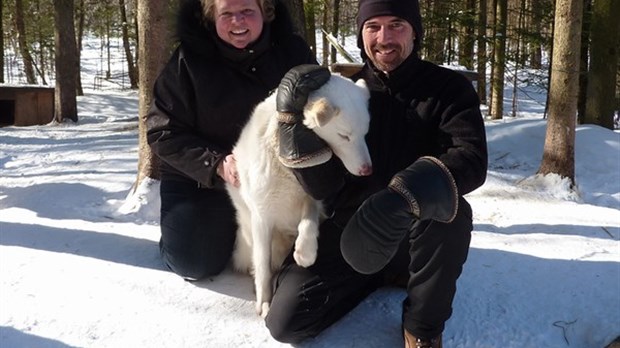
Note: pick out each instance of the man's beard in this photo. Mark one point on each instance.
(396, 57)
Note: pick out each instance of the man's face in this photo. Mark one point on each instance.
(388, 41)
(238, 22)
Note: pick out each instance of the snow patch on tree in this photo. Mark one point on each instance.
(143, 201)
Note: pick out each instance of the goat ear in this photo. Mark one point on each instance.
(318, 113)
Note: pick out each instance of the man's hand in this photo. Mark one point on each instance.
(296, 85)
(423, 191)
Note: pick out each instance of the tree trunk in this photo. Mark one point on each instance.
(481, 83)
(518, 58)
(535, 48)
(335, 24)
(137, 31)
(499, 60)
(131, 67)
(449, 40)
(618, 88)
(583, 61)
(40, 52)
(491, 20)
(550, 68)
(41, 68)
(559, 149)
(80, 34)
(66, 62)
(1, 44)
(108, 73)
(23, 43)
(467, 35)
(310, 25)
(438, 33)
(154, 47)
(324, 24)
(604, 54)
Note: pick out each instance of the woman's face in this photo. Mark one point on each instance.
(238, 22)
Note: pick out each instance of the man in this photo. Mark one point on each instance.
(409, 219)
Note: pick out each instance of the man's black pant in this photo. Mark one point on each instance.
(308, 300)
(198, 229)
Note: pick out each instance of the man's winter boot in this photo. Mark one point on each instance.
(413, 342)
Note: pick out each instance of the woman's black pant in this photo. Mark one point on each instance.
(198, 229)
(308, 300)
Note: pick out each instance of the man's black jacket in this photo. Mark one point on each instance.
(420, 109)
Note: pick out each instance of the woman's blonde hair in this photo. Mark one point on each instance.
(267, 8)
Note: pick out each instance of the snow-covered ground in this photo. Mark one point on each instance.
(80, 268)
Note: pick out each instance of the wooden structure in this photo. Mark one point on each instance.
(26, 105)
(348, 69)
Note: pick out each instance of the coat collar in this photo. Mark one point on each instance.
(401, 77)
(240, 56)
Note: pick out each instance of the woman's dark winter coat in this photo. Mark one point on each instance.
(208, 89)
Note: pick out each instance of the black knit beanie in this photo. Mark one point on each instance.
(408, 10)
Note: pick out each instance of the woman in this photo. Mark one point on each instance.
(231, 54)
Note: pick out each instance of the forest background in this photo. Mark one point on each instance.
(569, 48)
